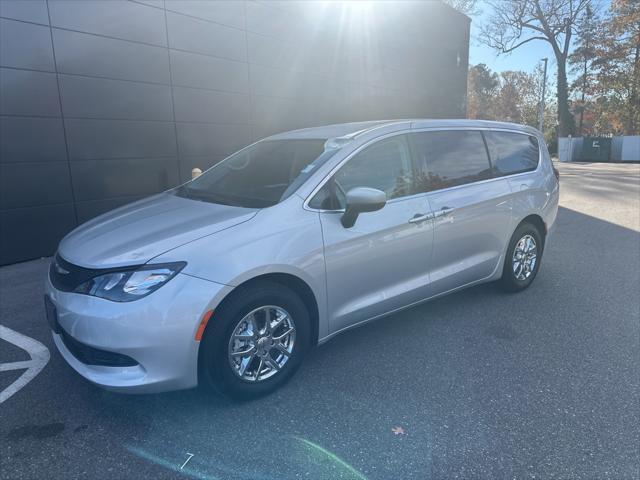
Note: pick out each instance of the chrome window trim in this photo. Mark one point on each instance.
(332, 172)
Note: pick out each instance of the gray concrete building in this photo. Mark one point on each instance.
(103, 102)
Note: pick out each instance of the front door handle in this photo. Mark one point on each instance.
(419, 217)
(443, 212)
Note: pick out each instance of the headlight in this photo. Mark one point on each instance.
(129, 285)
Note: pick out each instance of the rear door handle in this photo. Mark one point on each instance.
(443, 212)
(419, 217)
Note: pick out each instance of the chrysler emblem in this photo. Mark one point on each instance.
(59, 269)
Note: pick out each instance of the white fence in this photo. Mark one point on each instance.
(623, 149)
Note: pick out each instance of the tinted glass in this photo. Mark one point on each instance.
(385, 165)
(512, 152)
(260, 175)
(450, 158)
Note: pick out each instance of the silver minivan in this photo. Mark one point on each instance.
(228, 280)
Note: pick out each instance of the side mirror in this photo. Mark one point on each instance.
(361, 200)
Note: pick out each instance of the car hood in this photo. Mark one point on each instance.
(136, 233)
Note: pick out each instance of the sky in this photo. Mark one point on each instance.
(525, 58)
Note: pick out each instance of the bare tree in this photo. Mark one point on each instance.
(582, 58)
(468, 7)
(514, 23)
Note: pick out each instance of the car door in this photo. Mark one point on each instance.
(472, 209)
(381, 263)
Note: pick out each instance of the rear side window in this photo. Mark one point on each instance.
(512, 152)
(450, 158)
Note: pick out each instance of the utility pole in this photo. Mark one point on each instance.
(544, 88)
(586, 33)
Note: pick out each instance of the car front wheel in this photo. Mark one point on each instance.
(255, 341)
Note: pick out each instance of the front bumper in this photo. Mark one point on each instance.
(157, 331)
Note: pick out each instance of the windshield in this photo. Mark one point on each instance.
(260, 175)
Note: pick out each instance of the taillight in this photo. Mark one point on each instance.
(556, 172)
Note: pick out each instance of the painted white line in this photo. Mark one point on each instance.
(5, 367)
(39, 357)
(187, 461)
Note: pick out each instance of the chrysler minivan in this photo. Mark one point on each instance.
(227, 280)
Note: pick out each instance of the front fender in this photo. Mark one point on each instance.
(281, 239)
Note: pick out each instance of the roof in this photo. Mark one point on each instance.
(332, 131)
(357, 128)
(427, 123)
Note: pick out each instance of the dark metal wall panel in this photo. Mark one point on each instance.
(27, 233)
(225, 12)
(25, 45)
(86, 97)
(286, 83)
(100, 139)
(273, 52)
(31, 11)
(32, 93)
(101, 179)
(84, 54)
(31, 139)
(202, 71)
(272, 114)
(201, 36)
(275, 22)
(197, 105)
(115, 18)
(120, 99)
(30, 184)
(211, 139)
(151, 3)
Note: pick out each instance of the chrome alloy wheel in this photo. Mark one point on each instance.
(524, 257)
(262, 343)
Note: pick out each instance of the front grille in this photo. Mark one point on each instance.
(93, 356)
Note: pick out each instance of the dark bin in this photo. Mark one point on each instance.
(596, 149)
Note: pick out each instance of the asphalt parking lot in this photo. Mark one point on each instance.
(480, 384)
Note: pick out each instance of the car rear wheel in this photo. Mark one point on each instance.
(255, 341)
(522, 261)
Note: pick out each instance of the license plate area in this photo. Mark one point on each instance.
(52, 314)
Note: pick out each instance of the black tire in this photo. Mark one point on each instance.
(509, 282)
(215, 370)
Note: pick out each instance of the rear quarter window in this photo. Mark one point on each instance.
(512, 153)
